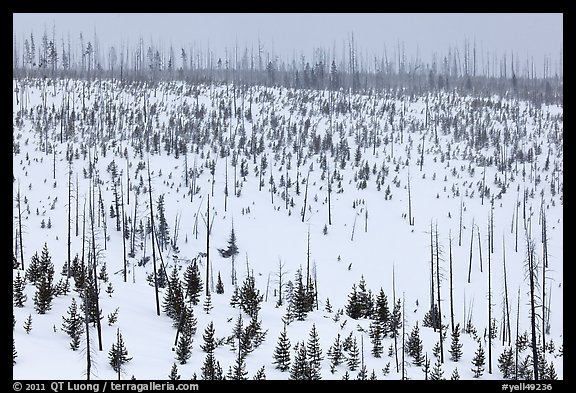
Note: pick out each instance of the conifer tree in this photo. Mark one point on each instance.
(118, 354)
(239, 372)
(14, 352)
(353, 358)
(426, 367)
(174, 298)
(551, 372)
(382, 312)
(455, 376)
(335, 354)
(73, 325)
(193, 282)
(506, 363)
(282, 352)
(300, 298)
(174, 376)
(250, 297)
(455, 345)
(33, 272)
(44, 289)
(211, 369)
(207, 305)
(184, 346)
(414, 346)
(354, 307)
(18, 291)
(478, 362)
(300, 365)
(219, 285)
(395, 322)
(28, 324)
(376, 338)
(260, 375)
(314, 353)
(437, 372)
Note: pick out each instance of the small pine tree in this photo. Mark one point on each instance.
(455, 376)
(386, 369)
(314, 353)
(414, 346)
(193, 282)
(551, 372)
(18, 291)
(426, 367)
(282, 352)
(431, 318)
(110, 289)
(335, 354)
(478, 362)
(376, 337)
(209, 344)
(525, 369)
(73, 325)
(184, 347)
(118, 354)
(103, 274)
(300, 298)
(207, 305)
(250, 297)
(299, 369)
(14, 352)
(260, 375)
(113, 317)
(353, 358)
(235, 298)
(455, 345)
(219, 285)
(28, 324)
(174, 376)
(436, 349)
(506, 363)
(174, 298)
(437, 372)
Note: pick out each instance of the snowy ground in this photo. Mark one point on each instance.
(269, 233)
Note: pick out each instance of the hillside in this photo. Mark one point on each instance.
(390, 184)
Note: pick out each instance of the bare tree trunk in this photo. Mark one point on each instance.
(489, 309)
(480, 248)
(451, 286)
(20, 232)
(460, 224)
(507, 310)
(94, 264)
(305, 197)
(123, 230)
(409, 201)
(438, 290)
(329, 191)
(153, 246)
(531, 273)
(208, 246)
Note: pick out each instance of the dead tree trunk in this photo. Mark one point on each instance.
(153, 246)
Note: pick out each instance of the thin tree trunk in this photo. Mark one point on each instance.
(531, 274)
(20, 231)
(208, 246)
(439, 302)
(451, 286)
(153, 246)
(507, 322)
(489, 308)
(123, 230)
(305, 197)
(94, 264)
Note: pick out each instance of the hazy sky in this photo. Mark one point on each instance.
(536, 35)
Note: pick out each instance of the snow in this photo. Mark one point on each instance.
(269, 233)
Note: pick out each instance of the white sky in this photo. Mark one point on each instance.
(285, 34)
